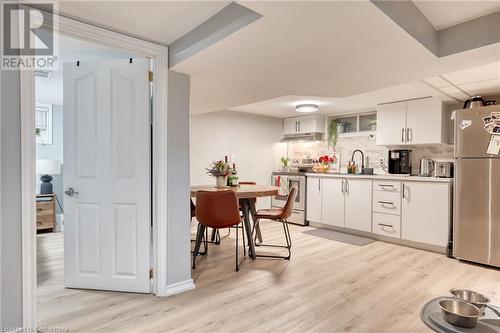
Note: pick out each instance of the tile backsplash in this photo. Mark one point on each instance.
(366, 143)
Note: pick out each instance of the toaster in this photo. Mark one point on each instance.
(443, 169)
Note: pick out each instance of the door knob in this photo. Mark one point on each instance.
(70, 192)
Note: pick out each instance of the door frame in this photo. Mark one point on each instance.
(159, 56)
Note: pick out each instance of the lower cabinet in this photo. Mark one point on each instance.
(332, 202)
(358, 204)
(425, 212)
(416, 211)
(313, 202)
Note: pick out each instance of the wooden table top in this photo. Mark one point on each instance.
(242, 191)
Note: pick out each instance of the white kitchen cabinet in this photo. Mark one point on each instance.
(358, 204)
(332, 203)
(391, 124)
(425, 212)
(425, 122)
(414, 122)
(304, 125)
(313, 202)
(290, 126)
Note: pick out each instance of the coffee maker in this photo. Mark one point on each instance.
(399, 161)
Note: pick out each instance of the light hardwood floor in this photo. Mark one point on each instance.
(328, 286)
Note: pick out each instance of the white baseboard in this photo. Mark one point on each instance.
(180, 287)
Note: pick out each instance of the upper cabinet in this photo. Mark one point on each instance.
(304, 125)
(415, 122)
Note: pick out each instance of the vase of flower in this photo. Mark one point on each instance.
(220, 181)
(220, 170)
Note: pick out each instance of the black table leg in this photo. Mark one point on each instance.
(245, 208)
(254, 212)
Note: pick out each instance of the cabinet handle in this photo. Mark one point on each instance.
(296, 128)
(299, 125)
(384, 226)
(409, 135)
(342, 186)
(346, 186)
(386, 185)
(38, 209)
(319, 185)
(403, 135)
(404, 197)
(386, 203)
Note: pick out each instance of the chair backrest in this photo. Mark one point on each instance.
(247, 183)
(217, 209)
(193, 208)
(288, 208)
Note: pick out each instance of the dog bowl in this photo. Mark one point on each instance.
(460, 313)
(470, 296)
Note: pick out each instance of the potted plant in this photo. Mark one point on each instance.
(220, 170)
(285, 161)
(333, 131)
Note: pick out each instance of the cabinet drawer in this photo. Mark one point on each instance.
(387, 186)
(387, 202)
(387, 225)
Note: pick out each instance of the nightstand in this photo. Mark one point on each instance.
(45, 212)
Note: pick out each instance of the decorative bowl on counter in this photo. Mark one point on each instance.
(321, 168)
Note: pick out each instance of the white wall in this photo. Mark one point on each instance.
(178, 232)
(253, 140)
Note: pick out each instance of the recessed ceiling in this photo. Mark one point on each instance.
(283, 107)
(452, 87)
(160, 21)
(296, 48)
(444, 14)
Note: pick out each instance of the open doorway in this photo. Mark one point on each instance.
(93, 171)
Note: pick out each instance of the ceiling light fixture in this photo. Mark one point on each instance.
(307, 107)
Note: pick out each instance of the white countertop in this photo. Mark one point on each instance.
(382, 177)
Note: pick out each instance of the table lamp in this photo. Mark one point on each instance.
(47, 168)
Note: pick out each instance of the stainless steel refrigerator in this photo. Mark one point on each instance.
(476, 225)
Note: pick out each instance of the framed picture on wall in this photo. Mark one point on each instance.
(43, 128)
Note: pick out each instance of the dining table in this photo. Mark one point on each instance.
(246, 195)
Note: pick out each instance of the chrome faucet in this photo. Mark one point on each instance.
(362, 158)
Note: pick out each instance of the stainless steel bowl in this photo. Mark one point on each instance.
(471, 296)
(460, 313)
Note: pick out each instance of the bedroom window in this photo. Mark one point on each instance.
(43, 129)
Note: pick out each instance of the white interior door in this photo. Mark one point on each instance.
(107, 164)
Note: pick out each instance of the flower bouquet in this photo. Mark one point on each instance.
(324, 164)
(220, 170)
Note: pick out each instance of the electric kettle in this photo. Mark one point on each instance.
(474, 102)
(426, 167)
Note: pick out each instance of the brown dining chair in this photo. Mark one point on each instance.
(215, 233)
(217, 210)
(278, 215)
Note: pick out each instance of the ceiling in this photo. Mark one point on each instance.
(160, 21)
(444, 14)
(452, 87)
(296, 48)
(348, 52)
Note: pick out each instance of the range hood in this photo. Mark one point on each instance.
(316, 136)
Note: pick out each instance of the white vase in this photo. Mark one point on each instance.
(220, 181)
(285, 168)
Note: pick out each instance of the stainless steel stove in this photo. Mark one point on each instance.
(297, 179)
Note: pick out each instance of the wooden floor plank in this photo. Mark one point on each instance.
(327, 286)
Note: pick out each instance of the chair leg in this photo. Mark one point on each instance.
(237, 261)
(199, 237)
(288, 245)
